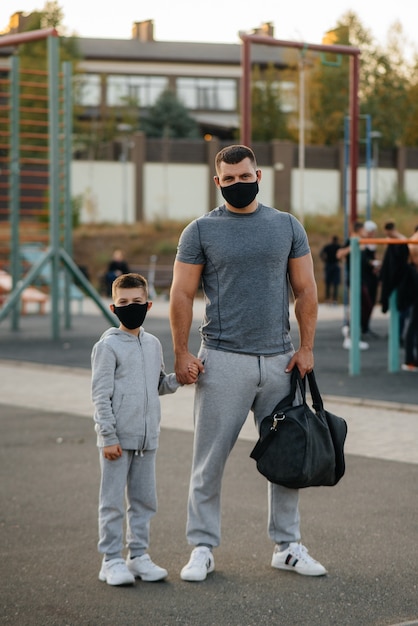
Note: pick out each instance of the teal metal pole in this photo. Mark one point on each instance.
(355, 304)
(14, 184)
(54, 156)
(67, 154)
(393, 347)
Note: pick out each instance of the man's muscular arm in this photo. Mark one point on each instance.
(186, 280)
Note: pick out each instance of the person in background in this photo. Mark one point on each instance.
(344, 253)
(116, 267)
(392, 273)
(127, 378)
(246, 255)
(370, 267)
(409, 290)
(332, 269)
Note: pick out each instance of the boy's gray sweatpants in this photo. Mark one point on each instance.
(232, 385)
(127, 482)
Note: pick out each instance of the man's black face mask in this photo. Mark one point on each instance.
(240, 195)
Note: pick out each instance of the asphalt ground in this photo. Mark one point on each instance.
(33, 343)
(364, 530)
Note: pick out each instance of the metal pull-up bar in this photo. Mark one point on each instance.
(351, 51)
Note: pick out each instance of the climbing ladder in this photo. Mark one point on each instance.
(45, 152)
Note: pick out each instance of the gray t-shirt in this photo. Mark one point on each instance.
(245, 280)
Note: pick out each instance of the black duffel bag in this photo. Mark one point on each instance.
(299, 447)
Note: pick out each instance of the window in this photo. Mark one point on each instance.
(143, 90)
(87, 89)
(219, 94)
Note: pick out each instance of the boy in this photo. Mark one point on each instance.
(127, 377)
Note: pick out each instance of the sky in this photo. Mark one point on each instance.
(221, 20)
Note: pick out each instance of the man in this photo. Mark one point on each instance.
(332, 270)
(243, 253)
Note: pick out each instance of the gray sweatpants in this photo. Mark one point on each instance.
(232, 385)
(130, 478)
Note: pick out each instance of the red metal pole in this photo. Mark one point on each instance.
(353, 52)
(30, 35)
(354, 141)
(246, 92)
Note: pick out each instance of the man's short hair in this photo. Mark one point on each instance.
(234, 154)
(129, 281)
(389, 226)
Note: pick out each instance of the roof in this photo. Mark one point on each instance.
(172, 52)
(175, 52)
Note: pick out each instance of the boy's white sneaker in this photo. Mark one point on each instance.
(201, 564)
(115, 572)
(296, 559)
(144, 568)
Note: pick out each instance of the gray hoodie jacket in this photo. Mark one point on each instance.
(127, 378)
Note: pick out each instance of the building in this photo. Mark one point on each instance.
(124, 77)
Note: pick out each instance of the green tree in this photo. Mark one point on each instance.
(410, 135)
(383, 90)
(329, 93)
(268, 120)
(169, 118)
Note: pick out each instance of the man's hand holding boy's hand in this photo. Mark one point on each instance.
(194, 371)
(111, 453)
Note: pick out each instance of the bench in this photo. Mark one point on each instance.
(30, 295)
(31, 254)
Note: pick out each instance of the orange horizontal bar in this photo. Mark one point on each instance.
(385, 241)
(33, 135)
(29, 83)
(34, 72)
(24, 173)
(29, 148)
(25, 96)
(33, 160)
(33, 122)
(33, 110)
(33, 186)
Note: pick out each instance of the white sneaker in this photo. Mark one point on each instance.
(115, 572)
(296, 559)
(201, 564)
(142, 567)
(406, 367)
(363, 345)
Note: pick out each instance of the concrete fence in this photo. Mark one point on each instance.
(142, 189)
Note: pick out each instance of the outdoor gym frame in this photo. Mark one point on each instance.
(352, 52)
(56, 256)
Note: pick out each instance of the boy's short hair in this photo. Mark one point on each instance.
(129, 281)
(234, 154)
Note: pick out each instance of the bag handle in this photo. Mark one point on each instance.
(295, 381)
(262, 444)
(318, 405)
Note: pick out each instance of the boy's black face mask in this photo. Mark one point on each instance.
(240, 195)
(132, 315)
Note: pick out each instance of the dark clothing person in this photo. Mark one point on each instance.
(408, 297)
(116, 267)
(332, 269)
